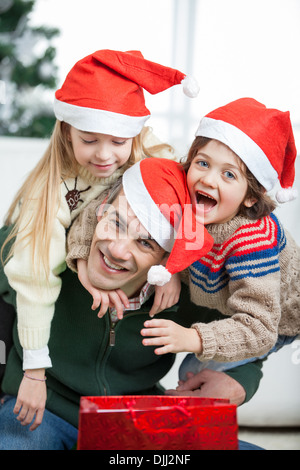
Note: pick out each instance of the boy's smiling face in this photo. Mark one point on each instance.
(217, 183)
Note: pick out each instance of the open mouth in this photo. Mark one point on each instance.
(111, 265)
(207, 201)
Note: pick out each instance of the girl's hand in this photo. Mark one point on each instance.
(116, 298)
(171, 337)
(31, 399)
(167, 295)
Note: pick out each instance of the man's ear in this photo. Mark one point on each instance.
(165, 259)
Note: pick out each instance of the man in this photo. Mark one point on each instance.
(92, 356)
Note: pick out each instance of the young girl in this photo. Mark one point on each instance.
(100, 111)
(251, 274)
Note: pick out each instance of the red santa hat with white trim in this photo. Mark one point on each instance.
(262, 137)
(103, 92)
(157, 193)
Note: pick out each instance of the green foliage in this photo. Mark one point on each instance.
(27, 75)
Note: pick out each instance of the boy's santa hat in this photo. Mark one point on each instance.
(103, 92)
(263, 139)
(156, 191)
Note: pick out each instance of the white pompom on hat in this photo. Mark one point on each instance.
(103, 92)
(156, 191)
(262, 137)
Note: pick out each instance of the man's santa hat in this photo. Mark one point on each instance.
(103, 92)
(157, 193)
(263, 139)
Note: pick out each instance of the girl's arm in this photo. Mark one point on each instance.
(170, 337)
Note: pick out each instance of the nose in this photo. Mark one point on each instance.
(209, 178)
(102, 151)
(119, 249)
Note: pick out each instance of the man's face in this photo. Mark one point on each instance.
(122, 250)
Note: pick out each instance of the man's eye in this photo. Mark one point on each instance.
(145, 243)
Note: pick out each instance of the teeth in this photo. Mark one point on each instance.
(111, 265)
(206, 195)
(199, 194)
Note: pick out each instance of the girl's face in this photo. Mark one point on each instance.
(100, 154)
(217, 184)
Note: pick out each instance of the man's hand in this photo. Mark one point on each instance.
(212, 384)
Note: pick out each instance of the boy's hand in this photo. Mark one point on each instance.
(171, 337)
(166, 296)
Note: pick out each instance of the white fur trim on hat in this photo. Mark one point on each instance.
(98, 120)
(158, 275)
(146, 210)
(190, 87)
(239, 142)
(286, 194)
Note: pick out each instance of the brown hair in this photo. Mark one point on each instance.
(264, 204)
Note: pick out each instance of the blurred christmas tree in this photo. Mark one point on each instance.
(27, 72)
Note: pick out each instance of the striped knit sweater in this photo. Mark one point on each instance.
(252, 276)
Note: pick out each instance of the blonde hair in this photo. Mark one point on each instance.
(42, 189)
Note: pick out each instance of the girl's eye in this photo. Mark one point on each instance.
(119, 142)
(88, 141)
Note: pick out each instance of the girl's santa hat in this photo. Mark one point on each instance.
(263, 139)
(103, 92)
(156, 191)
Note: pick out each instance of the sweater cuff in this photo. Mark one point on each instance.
(75, 253)
(36, 358)
(208, 339)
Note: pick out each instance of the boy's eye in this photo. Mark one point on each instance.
(229, 175)
(202, 163)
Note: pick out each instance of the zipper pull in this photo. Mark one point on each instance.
(112, 337)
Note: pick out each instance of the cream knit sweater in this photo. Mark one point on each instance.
(251, 275)
(36, 299)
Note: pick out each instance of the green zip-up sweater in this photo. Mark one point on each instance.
(83, 361)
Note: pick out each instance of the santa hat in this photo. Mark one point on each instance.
(263, 139)
(103, 92)
(156, 191)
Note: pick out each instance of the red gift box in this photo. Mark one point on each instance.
(156, 423)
